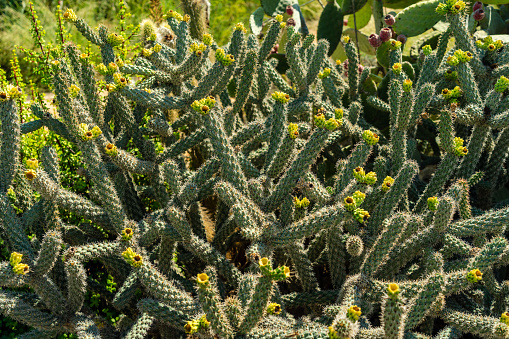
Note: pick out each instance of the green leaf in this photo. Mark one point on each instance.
(362, 17)
(398, 4)
(349, 5)
(275, 7)
(417, 19)
(382, 54)
(330, 25)
(256, 21)
(493, 22)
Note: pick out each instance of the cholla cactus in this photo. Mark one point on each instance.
(312, 204)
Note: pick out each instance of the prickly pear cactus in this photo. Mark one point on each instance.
(297, 218)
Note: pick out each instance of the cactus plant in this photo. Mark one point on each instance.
(321, 226)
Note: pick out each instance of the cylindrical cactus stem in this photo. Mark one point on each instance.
(353, 68)
(14, 229)
(164, 313)
(303, 266)
(231, 169)
(442, 174)
(278, 80)
(88, 32)
(455, 246)
(283, 153)
(470, 323)
(393, 314)
(468, 83)
(336, 255)
(475, 147)
(210, 302)
(270, 39)
(257, 306)
(498, 157)
(276, 135)
(458, 29)
(17, 309)
(50, 248)
(304, 159)
(312, 223)
(394, 195)
(357, 158)
(423, 303)
(389, 236)
(316, 61)
(127, 291)
(245, 82)
(460, 193)
(77, 285)
(141, 326)
(11, 141)
(398, 150)
(422, 95)
(163, 289)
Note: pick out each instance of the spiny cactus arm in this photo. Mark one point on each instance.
(316, 61)
(258, 304)
(189, 190)
(127, 291)
(489, 255)
(125, 160)
(141, 326)
(11, 141)
(278, 126)
(398, 150)
(93, 251)
(403, 253)
(172, 316)
(86, 327)
(182, 31)
(263, 81)
(468, 83)
(371, 333)
(323, 297)
(247, 132)
(248, 227)
(322, 219)
(428, 71)
(14, 306)
(164, 290)
(455, 246)
(50, 294)
(231, 170)
(332, 92)
(394, 195)
(48, 254)
(464, 42)
(378, 103)
(353, 67)
(425, 301)
(395, 93)
(182, 145)
(138, 70)
(201, 248)
(31, 126)
(315, 190)
(51, 123)
(492, 222)
(210, 302)
(394, 315)
(475, 147)
(303, 267)
(469, 323)
(294, 61)
(245, 82)
(499, 121)
(87, 31)
(36, 334)
(460, 193)
(498, 157)
(357, 158)
(336, 255)
(231, 196)
(278, 80)
(14, 229)
(210, 84)
(389, 236)
(155, 100)
(270, 39)
(76, 285)
(10, 279)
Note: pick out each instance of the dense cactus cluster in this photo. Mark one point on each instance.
(300, 214)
